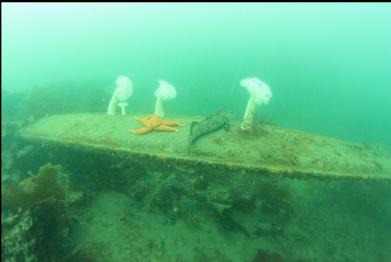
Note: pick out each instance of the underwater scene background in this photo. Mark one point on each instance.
(327, 64)
(328, 67)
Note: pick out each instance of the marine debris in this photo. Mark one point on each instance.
(277, 152)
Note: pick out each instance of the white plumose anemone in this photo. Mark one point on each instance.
(260, 93)
(165, 91)
(121, 94)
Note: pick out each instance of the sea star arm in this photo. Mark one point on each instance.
(166, 128)
(144, 120)
(172, 123)
(141, 131)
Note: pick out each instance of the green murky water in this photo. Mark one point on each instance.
(328, 67)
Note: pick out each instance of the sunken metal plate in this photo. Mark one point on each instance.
(266, 150)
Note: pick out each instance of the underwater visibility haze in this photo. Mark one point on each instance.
(196, 131)
(328, 64)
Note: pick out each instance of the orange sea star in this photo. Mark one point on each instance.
(154, 122)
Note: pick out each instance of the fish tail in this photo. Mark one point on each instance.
(189, 144)
(190, 141)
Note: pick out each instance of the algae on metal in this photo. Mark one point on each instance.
(266, 150)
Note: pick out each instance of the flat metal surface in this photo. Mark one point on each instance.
(267, 149)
